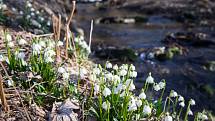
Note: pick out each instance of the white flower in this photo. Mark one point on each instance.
(180, 98)
(106, 92)
(51, 44)
(32, 9)
(65, 76)
(122, 94)
(7, 60)
(21, 55)
(109, 76)
(28, 16)
(168, 118)
(150, 79)
(32, 14)
(192, 102)
(132, 67)
(37, 12)
(96, 71)
(204, 117)
(59, 43)
(138, 103)
(116, 79)
(133, 74)
(108, 65)
(106, 105)
(22, 42)
(1, 58)
(182, 104)
(122, 72)
(61, 70)
(190, 112)
(173, 93)
(132, 87)
(8, 37)
(10, 44)
(96, 89)
(147, 110)
(36, 48)
(115, 67)
(162, 85)
(48, 23)
(132, 105)
(21, 12)
(42, 44)
(29, 4)
(157, 87)
(41, 18)
(49, 59)
(129, 83)
(83, 72)
(10, 83)
(49, 52)
(142, 95)
(119, 88)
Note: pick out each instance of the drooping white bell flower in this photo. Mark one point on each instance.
(156, 87)
(150, 79)
(162, 84)
(106, 105)
(147, 110)
(83, 72)
(96, 89)
(96, 71)
(132, 67)
(182, 104)
(115, 67)
(190, 112)
(22, 42)
(36, 48)
(133, 74)
(21, 55)
(106, 92)
(168, 118)
(108, 65)
(132, 105)
(61, 70)
(138, 102)
(59, 43)
(9, 37)
(10, 44)
(180, 98)
(122, 72)
(192, 102)
(173, 93)
(142, 95)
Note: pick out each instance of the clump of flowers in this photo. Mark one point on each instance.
(114, 97)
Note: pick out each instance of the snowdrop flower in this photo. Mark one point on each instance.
(65, 76)
(22, 42)
(96, 71)
(202, 116)
(122, 94)
(108, 65)
(173, 93)
(138, 103)
(49, 52)
(106, 105)
(61, 70)
(10, 44)
(119, 88)
(122, 72)
(8, 37)
(168, 118)
(37, 12)
(162, 85)
(129, 83)
(1, 58)
(21, 12)
(49, 59)
(10, 83)
(83, 72)
(157, 87)
(133, 74)
(32, 14)
(51, 44)
(116, 79)
(190, 112)
(115, 67)
(59, 43)
(132, 105)
(42, 44)
(106, 92)
(142, 95)
(32, 9)
(29, 4)
(48, 23)
(41, 18)
(180, 98)
(36, 48)
(109, 76)
(192, 102)
(150, 79)
(182, 104)
(132, 67)
(96, 89)
(21, 55)
(147, 110)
